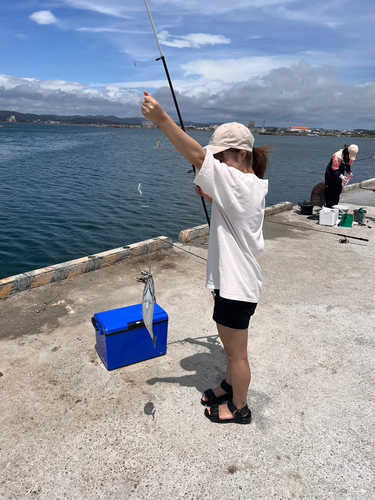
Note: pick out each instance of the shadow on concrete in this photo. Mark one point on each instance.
(207, 367)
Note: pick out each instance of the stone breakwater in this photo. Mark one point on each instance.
(73, 268)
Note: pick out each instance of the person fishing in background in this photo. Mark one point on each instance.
(231, 173)
(335, 179)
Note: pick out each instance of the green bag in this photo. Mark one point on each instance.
(346, 220)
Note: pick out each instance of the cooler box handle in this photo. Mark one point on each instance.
(96, 326)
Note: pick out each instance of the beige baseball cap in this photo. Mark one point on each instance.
(231, 135)
(353, 151)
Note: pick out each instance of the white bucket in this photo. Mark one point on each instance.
(328, 216)
(343, 209)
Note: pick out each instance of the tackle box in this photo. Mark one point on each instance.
(122, 338)
(328, 216)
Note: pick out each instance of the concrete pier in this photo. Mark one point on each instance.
(70, 429)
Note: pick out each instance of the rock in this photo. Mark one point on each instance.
(317, 195)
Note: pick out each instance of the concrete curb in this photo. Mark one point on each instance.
(193, 233)
(278, 208)
(72, 268)
(200, 231)
(359, 185)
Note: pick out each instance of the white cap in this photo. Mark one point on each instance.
(231, 135)
(353, 151)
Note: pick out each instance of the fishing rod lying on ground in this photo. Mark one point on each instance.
(162, 58)
(316, 230)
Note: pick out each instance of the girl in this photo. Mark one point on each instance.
(230, 176)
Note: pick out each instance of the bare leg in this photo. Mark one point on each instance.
(238, 368)
(218, 391)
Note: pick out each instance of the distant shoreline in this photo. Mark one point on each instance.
(189, 128)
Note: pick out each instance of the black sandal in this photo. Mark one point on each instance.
(216, 400)
(242, 416)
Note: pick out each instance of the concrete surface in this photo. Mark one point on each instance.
(72, 430)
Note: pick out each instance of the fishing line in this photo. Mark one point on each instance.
(187, 251)
(316, 230)
(162, 58)
(368, 157)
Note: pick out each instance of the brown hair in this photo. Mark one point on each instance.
(259, 160)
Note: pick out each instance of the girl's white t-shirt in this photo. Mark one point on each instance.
(236, 235)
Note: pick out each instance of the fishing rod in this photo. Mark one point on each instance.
(316, 230)
(356, 161)
(368, 158)
(162, 58)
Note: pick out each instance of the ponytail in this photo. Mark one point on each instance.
(260, 160)
(345, 154)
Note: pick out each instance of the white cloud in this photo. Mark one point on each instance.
(29, 95)
(43, 17)
(332, 24)
(11, 82)
(193, 40)
(299, 93)
(218, 6)
(325, 16)
(235, 70)
(115, 8)
(111, 30)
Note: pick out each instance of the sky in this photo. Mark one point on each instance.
(279, 62)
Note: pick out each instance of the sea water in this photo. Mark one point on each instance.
(71, 191)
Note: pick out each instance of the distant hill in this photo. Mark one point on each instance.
(80, 120)
(75, 119)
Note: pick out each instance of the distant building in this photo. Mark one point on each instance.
(299, 129)
(251, 125)
(148, 124)
(11, 119)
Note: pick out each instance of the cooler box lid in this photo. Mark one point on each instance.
(125, 318)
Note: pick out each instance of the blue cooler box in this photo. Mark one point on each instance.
(122, 338)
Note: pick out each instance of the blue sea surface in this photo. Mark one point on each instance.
(71, 191)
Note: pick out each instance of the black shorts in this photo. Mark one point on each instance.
(232, 313)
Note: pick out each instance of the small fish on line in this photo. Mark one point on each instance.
(148, 304)
(139, 188)
(159, 144)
